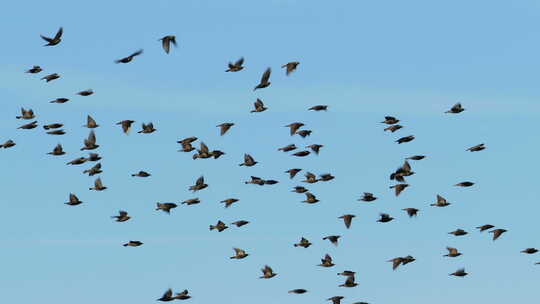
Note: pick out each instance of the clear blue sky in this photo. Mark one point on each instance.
(365, 59)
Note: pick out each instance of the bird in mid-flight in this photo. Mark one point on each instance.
(54, 41)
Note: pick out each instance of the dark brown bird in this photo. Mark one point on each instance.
(416, 157)
(459, 273)
(291, 67)
(399, 188)
(326, 261)
(264, 80)
(335, 299)
(408, 259)
(58, 150)
(303, 243)
(98, 185)
(78, 161)
(59, 100)
(294, 127)
(166, 207)
(53, 126)
(476, 148)
(333, 239)
(267, 272)
(293, 172)
(53, 41)
(396, 262)
(8, 144)
(73, 200)
(458, 232)
(411, 211)
(90, 123)
(166, 42)
(452, 252)
(315, 148)
(187, 140)
(298, 291)
(90, 142)
(50, 77)
(122, 216)
(299, 189)
(133, 244)
(237, 66)
(248, 161)
(347, 219)
(405, 139)
(26, 114)
(464, 184)
(393, 128)
(326, 177)
(28, 126)
(56, 132)
(456, 109)
(96, 169)
(191, 201)
(485, 227)
(239, 254)
(301, 153)
(270, 182)
(310, 198)
(224, 127)
(147, 128)
(349, 282)
(126, 125)
(130, 57)
(319, 108)
(259, 106)
(220, 226)
(216, 153)
(186, 147)
(203, 152)
(228, 202)
(497, 233)
(167, 296)
(93, 157)
(390, 120)
(255, 181)
(287, 148)
(86, 92)
(310, 178)
(199, 185)
(367, 197)
(35, 69)
(141, 174)
(385, 218)
(304, 133)
(240, 223)
(530, 251)
(441, 202)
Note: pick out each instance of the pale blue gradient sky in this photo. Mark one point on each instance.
(365, 59)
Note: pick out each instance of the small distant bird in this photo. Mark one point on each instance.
(416, 157)
(476, 148)
(224, 127)
(301, 153)
(237, 66)
(50, 77)
(326, 177)
(458, 232)
(390, 120)
(485, 227)
(255, 181)
(98, 185)
(90, 122)
(240, 223)
(347, 219)
(96, 169)
(147, 128)
(264, 80)
(166, 42)
(267, 272)
(126, 125)
(393, 128)
(203, 152)
(411, 211)
(78, 161)
(464, 184)
(192, 201)
(530, 251)
(29, 126)
(299, 189)
(298, 291)
(303, 243)
(456, 109)
(216, 153)
(167, 296)
(248, 161)
(73, 200)
(315, 148)
(122, 216)
(199, 184)
(310, 198)
(333, 239)
(166, 207)
(304, 133)
(310, 178)
(385, 218)
(347, 273)
(90, 142)
(293, 172)
(441, 202)
(228, 202)
(319, 108)
(59, 100)
(405, 139)
(93, 157)
(8, 144)
(35, 69)
(53, 41)
(86, 92)
(259, 106)
(291, 67)
(141, 174)
(270, 182)
(396, 262)
(56, 132)
(133, 244)
(497, 233)
(26, 114)
(349, 282)
(294, 127)
(399, 188)
(130, 57)
(220, 226)
(326, 261)
(58, 150)
(452, 252)
(335, 299)
(53, 126)
(367, 197)
(459, 273)
(239, 254)
(287, 148)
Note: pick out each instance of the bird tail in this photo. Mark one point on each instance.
(212, 227)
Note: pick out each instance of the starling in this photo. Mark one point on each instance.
(303, 243)
(90, 142)
(8, 144)
(293, 172)
(464, 184)
(216, 154)
(310, 178)
(452, 252)
(294, 127)
(199, 185)
(130, 57)
(166, 42)
(167, 296)
(385, 218)
(141, 174)
(335, 299)
(301, 153)
(390, 120)
(203, 152)
(147, 128)
(411, 211)
(255, 181)
(28, 126)
(497, 233)
(166, 207)
(347, 219)
(228, 202)
(310, 198)
(35, 69)
(122, 216)
(133, 244)
(240, 223)
(459, 273)
(73, 200)
(191, 201)
(399, 188)
(315, 148)
(393, 128)
(367, 197)
(53, 126)
(220, 226)
(291, 67)
(304, 133)
(264, 80)
(267, 272)
(26, 114)
(396, 262)
(441, 202)
(349, 282)
(56, 132)
(287, 148)
(50, 77)
(93, 157)
(259, 106)
(485, 227)
(270, 182)
(326, 177)
(54, 41)
(326, 261)
(59, 100)
(237, 66)
(98, 185)
(90, 123)
(333, 239)
(86, 92)
(299, 189)
(456, 109)
(319, 108)
(58, 150)
(530, 251)
(248, 161)
(408, 259)
(126, 125)
(239, 254)
(78, 161)
(405, 139)
(298, 291)
(96, 169)
(476, 148)
(458, 232)
(224, 127)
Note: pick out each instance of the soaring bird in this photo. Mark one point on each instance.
(237, 66)
(291, 67)
(166, 42)
(166, 207)
(529, 251)
(126, 125)
(26, 114)
(224, 127)
(54, 41)
(267, 272)
(239, 254)
(122, 216)
(98, 185)
(464, 184)
(90, 142)
(457, 108)
(259, 106)
(73, 200)
(264, 80)
(130, 57)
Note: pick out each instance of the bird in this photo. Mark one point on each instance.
(287, 148)
(141, 174)
(294, 127)
(332, 238)
(459, 273)
(349, 282)
(240, 223)
(347, 219)
(166, 207)
(259, 106)
(299, 189)
(411, 211)
(73, 200)
(239, 254)
(458, 232)
(26, 114)
(59, 100)
(133, 244)
(255, 181)
(50, 77)
(367, 197)
(78, 161)
(167, 296)
(310, 198)
(396, 262)
(220, 226)
(297, 291)
(326, 177)
(56, 132)
(96, 169)
(310, 178)
(303, 243)
(301, 153)
(485, 227)
(267, 272)
(497, 233)
(166, 42)
(393, 128)
(335, 299)
(93, 157)
(405, 139)
(399, 188)
(54, 41)
(390, 120)
(264, 80)
(90, 142)
(476, 148)
(304, 133)
(130, 57)
(293, 172)
(34, 70)
(248, 161)
(147, 128)
(86, 92)
(385, 218)
(530, 251)
(192, 201)
(57, 151)
(319, 108)
(98, 185)
(452, 252)
(228, 202)
(457, 108)
(291, 67)
(29, 126)
(126, 125)
(122, 216)
(326, 261)
(315, 148)
(53, 126)
(441, 202)
(199, 184)
(182, 295)
(90, 122)
(203, 152)
(237, 66)
(8, 144)
(224, 127)
(464, 184)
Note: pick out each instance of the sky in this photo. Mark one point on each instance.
(364, 59)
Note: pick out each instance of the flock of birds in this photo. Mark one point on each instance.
(405, 170)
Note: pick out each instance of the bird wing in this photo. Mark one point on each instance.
(59, 33)
(266, 76)
(73, 198)
(440, 199)
(166, 44)
(90, 121)
(239, 62)
(98, 183)
(122, 213)
(137, 53)
(204, 148)
(200, 181)
(92, 137)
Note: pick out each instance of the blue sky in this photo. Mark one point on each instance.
(364, 59)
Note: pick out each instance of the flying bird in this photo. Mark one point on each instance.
(53, 126)
(326, 261)
(147, 128)
(347, 219)
(459, 273)
(228, 202)
(477, 148)
(130, 57)
(199, 185)
(73, 200)
(239, 254)
(57, 151)
(264, 80)
(98, 185)
(368, 197)
(90, 142)
(122, 216)
(411, 211)
(298, 291)
(26, 114)
(220, 226)
(452, 252)
(267, 272)
(303, 243)
(291, 67)
(390, 120)
(458, 232)
(34, 70)
(399, 188)
(319, 108)
(96, 169)
(59, 100)
(141, 174)
(86, 92)
(237, 66)
(485, 227)
(333, 239)
(441, 202)
(405, 139)
(457, 108)
(259, 106)
(54, 41)
(497, 233)
(385, 218)
(464, 184)
(166, 42)
(248, 161)
(224, 127)
(50, 77)
(8, 144)
(293, 172)
(133, 244)
(126, 125)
